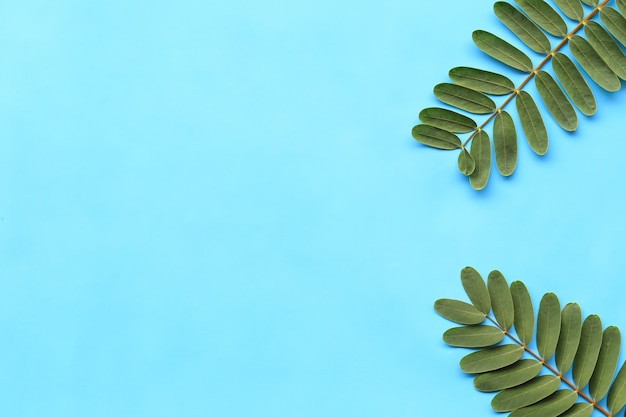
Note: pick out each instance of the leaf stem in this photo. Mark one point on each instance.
(551, 368)
(530, 76)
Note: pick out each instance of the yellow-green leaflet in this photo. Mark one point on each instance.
(571, 8)
(435, 137)
(574, 84)
(526, 394)
(569, 337)
(501, 300)
(554, 98)
(621, 5)
(522, 27)
(524, 318)
(591, 2)
(466, 162)
(459, 311)
(607, 363)
(511, 376)
(447, 120)
(473, 336)
(615, 23)
(607, 48)
(593, 64)
(617, 394)
(532, 123)
(481, 80)
(464, 98)
(544, 16)
(588, 350)
(551, 406)
(505, 143)
(481, 152)
(490, 359)
(502, 51)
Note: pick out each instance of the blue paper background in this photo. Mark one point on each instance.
(217, 209)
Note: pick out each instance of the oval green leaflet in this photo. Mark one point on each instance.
(464, 98)
(491, 359)
(526, 394)
(544, 16)
(459, 311)
(435, 137)
(505, 143)
(548, 325)
(473, 336)
(522, 27)
(615, 23)
(510, 376)
(502, 51)
(554, 98)
(448, 120)
(481, 80)
(569, 336)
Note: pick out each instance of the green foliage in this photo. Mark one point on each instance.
(593, 40)
(532, 381)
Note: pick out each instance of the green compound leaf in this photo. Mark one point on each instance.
(588, 350)
(435, 137)
(617, 394)
(480, 80)
(554, 98)
(459, 311)
(464, 98)
(522, 27)
(502, 51)
(511, 376)
(544, 16)
(607, 363)
(531, 22)
(524, 316)
(552, 406)
(467, 165)
(574, 84)
(479, 335)
(481, 152)
(579, 410)
(490, 359)
(614, 22)
(526, 394)
(476, 289)
(519, 384)
(571, 8)
(569, 337)
(532, 123)
(501, 300)
(593, 64)
(505, 143)
(607, 48)
(447, 120)
(548, 325)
